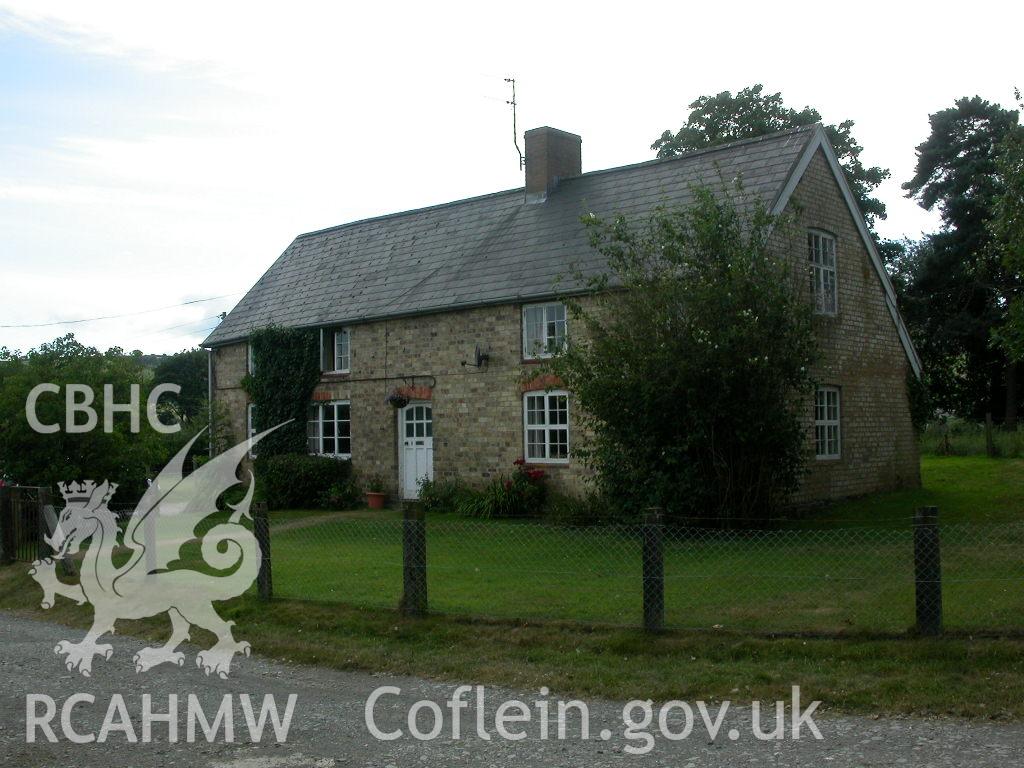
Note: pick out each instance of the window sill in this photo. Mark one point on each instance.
(546, 463)
(335, 374)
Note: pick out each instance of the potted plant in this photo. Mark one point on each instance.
(375, 495)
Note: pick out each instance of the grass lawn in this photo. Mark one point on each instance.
(980, 677)
(966, 489)
(516, 571)
(848, 569)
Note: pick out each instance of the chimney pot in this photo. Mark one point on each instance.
(551, 155)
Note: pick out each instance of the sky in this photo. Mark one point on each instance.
(153, 157)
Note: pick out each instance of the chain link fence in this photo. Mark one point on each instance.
(914, 575)
(917, 576)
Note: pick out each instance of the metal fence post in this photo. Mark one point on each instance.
(654, 571)
(261, 529)
(414, 561)
(42, 527)
(7, 548)
(927, 571)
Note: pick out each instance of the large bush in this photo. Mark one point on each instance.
(689, 363)
(298, 481)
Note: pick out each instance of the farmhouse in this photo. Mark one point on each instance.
(450, 308)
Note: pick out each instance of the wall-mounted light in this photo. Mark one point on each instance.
(480, 358)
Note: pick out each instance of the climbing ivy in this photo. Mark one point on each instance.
(286, 370)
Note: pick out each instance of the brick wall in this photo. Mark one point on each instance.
(860, 353)
(478, 417)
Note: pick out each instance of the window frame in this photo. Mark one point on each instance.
(334, 350)
(543, 354)
(319, 437)
(547, 427)
(826, 423)
(819, 270)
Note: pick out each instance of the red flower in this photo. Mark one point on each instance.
(519, 462)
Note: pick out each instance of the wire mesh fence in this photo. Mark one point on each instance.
(831, 581)
(911, 575)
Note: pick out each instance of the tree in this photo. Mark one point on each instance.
(30, 458)
(189, 369)
(961, 284)
(749, 113)
(1007, 231)
(691, 370)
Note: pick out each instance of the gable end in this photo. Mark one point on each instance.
(820, 141)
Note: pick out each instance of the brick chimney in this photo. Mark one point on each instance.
(551, 155)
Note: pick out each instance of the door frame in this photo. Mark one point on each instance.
(400, 436)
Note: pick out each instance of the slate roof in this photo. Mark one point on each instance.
(486, 250)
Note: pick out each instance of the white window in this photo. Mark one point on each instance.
(329, 429)
(250, 359)
(543, 329)
(546, 426)
(341, 355)
(827, 443)
(250, 426)
(821, 252)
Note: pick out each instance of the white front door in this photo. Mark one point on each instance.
(415, 447)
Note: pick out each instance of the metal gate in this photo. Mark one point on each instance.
(21, 523)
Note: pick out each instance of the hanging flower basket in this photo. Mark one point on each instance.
(397, 400)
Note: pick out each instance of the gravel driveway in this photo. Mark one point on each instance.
(328, 728)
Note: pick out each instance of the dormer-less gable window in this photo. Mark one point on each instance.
(827, 425)
(821, 253)
(544, 329)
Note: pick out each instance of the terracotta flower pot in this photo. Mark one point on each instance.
(375, 500)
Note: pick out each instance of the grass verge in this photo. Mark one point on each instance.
(977, 678)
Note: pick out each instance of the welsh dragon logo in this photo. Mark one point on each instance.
(158, 551)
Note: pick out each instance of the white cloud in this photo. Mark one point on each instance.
(306, 115)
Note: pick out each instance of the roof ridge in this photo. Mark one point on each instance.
(702, 151)
(597, 172)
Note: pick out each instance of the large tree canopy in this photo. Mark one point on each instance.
(726, 117)
(1007, 230)
(958, 285)
(30, 458)
(188, 369)
(691, 379)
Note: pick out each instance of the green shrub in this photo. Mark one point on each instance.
(298, 481)
(442, 495)
(589, 509)
(346, 495)
(521, 495)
